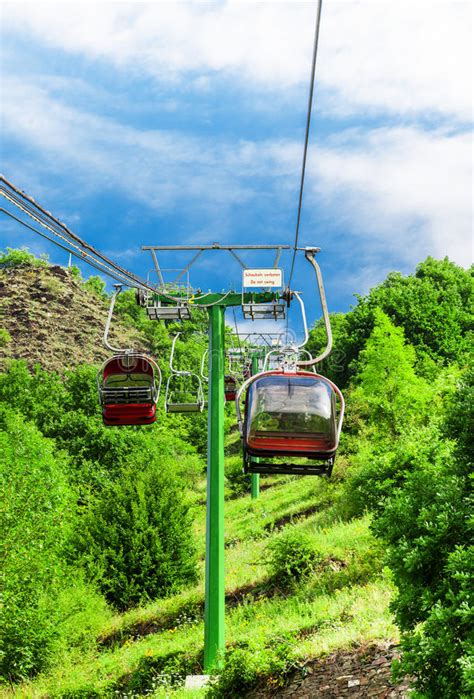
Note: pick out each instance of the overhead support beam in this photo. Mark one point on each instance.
(277, 257)
(241, 262)
(216, 246)
(157, 268)
(198, 254)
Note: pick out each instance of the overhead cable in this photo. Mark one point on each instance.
(306, 139)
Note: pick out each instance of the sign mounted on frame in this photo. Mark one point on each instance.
(262, 278)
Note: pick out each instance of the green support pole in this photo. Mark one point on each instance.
(255, 485)
(214, 609)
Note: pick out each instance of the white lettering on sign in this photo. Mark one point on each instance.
(262, 278)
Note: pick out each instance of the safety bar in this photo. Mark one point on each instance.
(200, 402)
(173, 370)
(129, 356)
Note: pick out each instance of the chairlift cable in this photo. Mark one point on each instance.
(308, 124)
(44, 218)
(80, 255)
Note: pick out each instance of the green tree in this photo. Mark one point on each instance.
(427, 525)
(433, 306)
(20, 256)
(42, 598)
(397, 417)
(136, 540)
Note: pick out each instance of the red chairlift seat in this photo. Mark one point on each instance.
(128, 387)
(294, 415)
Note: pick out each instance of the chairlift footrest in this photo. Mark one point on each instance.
(263, 311)
(168, 312)
(323, 469)
(184, 407)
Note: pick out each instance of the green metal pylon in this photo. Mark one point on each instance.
(215, 589)
(255, 483)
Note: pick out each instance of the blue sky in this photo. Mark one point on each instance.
(155, 123)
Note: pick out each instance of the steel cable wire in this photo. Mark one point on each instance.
(306, 139)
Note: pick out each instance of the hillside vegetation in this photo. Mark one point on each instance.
(103, 528)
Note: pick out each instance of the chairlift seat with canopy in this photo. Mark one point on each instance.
(128, 386)
(291, 415)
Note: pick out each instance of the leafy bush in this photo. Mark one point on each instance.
(34, 525)
(238, 481)
(155, 673)
(5, 337)
(96, 285)
(136, 539)
(45, 604)
(75, 272)
(427, 527)
(292, 557)
(244, 667)
(16, 257)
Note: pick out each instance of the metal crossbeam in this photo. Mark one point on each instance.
(216, 299)
(157, 268)
(216, 246)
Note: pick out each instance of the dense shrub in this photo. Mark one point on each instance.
(398, 417)
(292, 557)
(136, 539)
(16, 257)
(433, 306)
(96, 285)
(245, 666)
(34, 525)
(427, 526)
(43, 599)
(5, 337)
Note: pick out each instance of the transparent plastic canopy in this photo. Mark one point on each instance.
(291, 414)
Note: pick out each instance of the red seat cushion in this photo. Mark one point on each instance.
(131, 414)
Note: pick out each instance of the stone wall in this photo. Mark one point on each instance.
(359, 673)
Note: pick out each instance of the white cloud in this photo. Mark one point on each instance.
(394, 189)
(401, 189)
(156, 167)
(408, 57)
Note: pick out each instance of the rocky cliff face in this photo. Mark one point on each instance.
(53, 321)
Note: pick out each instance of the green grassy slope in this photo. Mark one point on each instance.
(148, 651)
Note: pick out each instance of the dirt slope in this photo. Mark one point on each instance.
(53, 321)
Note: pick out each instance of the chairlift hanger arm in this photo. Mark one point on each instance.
(204, 376)
(173, 370)
(116, 350)
(188, 266)
(157, 268)
(310, 256)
